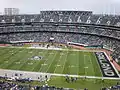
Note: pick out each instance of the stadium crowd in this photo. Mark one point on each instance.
(106, 42)
(64, 16)
(85, 30)
(12, 85)
(107, 37)
(61, 38)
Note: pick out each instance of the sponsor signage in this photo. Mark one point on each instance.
(105, 65)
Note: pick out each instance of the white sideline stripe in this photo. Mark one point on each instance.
(57, 49)
(4, 71)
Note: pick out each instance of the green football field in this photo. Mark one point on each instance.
(52, 61)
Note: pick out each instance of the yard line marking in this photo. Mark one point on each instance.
(46, 60)
(5, 51)
(65, 61)
(6, 61)
(30, 63)
(30, 52)
(91, 63)
(52, 61)
(57, 63)
(73, 66)
(85, 67)
(43, 55)
(58, 49)
(78, 62)
(25, 61)
(17, 62)
(84, 63)
(9, 57)
(39, 61)
(44, 64)
(51, 53)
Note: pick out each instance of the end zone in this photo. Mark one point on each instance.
(106, 67)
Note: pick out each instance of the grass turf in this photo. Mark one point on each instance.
(53, 61)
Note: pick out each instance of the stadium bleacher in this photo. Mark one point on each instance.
(65, 26)
(85, 17)
(11, 86)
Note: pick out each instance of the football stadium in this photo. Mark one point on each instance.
(60, 50)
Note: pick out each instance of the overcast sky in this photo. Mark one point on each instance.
(34, 6)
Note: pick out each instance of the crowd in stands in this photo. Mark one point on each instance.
(65, 16)
(4, 85)
(85, 30)
(61, 38)
(62, 34)
(111, 44)
(87, 35)
(115, 87)
(11, 85)
(15, 85)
